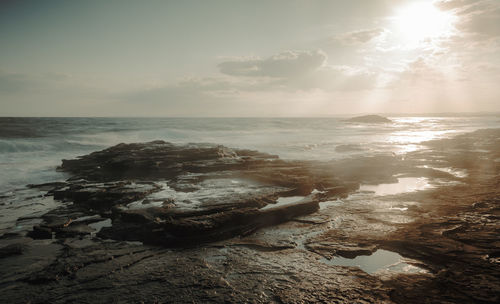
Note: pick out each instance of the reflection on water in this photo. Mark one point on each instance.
(380, 260)
(407, 139)
(415, 136)
(404, 184)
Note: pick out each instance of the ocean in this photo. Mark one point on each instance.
(32, 148)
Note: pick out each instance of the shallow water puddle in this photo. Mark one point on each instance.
(96, 222)
(404, 184)
(209, 190)
(282, 201)
(380, 260)
(101, 224)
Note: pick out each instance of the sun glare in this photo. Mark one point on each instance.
(421, 21)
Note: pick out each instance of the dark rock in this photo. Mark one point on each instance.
(40, 232)
(12, 249)
(161, 227)
(369, 119)
(108, 181)
(352, 252)
(48, 186)
(74, 230)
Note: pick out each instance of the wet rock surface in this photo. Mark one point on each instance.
(163, 194)
(157, 222)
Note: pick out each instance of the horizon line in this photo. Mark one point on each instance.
(478, 113)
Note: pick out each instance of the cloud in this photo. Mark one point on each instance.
(242, 85)
(283, 65)
(480, 19)
(454, 4)
(249, 85)
(296, 70)
(334, 78)
(209, 96)
(359, 36)
(475, 47)
(417, 73)
(191, 95)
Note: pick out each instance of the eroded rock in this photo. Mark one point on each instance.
(234, 243)
(170, 195)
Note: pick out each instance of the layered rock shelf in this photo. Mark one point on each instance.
(198, 223)
(165, 194)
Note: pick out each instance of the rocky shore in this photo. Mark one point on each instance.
(162, 223)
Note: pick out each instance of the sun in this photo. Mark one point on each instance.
(421, 21)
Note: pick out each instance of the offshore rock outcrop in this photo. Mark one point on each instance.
(369, 119)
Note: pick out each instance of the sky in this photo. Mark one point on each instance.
(248, 58)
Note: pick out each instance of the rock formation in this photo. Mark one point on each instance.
(369, 119)
(171, 195)
(157, 222)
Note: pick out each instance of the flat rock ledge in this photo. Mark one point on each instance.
(180, 195)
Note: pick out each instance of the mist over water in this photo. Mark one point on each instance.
(32, 148)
